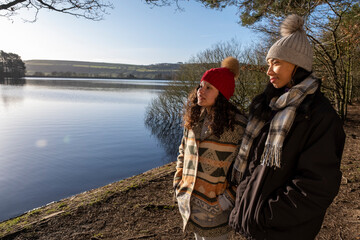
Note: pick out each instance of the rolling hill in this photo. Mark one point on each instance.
(59, 68)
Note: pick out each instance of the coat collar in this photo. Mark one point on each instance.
(198, 127)
(305, 109)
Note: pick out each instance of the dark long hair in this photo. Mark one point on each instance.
(222, 114)
(259, 106)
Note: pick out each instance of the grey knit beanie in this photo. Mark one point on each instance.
(293, 47)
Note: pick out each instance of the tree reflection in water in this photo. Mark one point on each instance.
(163, 118)
(13, 81)
(163, 115)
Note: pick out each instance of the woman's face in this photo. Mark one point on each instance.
(280, 72)
(206, 94)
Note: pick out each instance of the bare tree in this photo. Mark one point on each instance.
(164, 113)
(251, 81)
(89, 9)
(252, 11)
(335, 43)
(332, 27)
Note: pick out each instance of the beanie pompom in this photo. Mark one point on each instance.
(294, 46)
(232, 64)
(291, 24)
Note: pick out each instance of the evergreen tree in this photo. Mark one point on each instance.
(12, 67)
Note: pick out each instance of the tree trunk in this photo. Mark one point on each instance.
(351, 82)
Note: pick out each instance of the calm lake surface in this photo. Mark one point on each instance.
(59, 139)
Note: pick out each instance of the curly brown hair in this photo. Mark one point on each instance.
(221, 116)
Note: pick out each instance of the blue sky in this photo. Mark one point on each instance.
(132, 33)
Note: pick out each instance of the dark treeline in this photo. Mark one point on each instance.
(12, 68)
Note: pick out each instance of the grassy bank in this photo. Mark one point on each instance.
(86, 201)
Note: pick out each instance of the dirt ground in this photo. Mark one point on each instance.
(142, 207)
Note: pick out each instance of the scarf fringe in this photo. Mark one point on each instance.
(280, 125)
(271, 156)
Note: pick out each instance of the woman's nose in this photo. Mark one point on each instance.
(269, 71)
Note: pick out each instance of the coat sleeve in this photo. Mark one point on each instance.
(180, 161)
(315, 182)
(230, 192)
(237, 213)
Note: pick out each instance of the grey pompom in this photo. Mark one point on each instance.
(291, 24)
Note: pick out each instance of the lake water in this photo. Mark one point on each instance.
(57, 140)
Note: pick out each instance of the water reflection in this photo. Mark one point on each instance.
(163, 119)
(6, 90)
(10, 94)
(97, 83)
(64, 140)
(169, 135)
(13, 81)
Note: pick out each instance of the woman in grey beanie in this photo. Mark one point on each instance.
(288, 166)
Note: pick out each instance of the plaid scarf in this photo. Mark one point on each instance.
(285, 106)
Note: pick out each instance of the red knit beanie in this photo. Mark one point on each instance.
(223, 78)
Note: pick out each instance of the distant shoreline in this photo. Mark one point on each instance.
(79, 69)
(95, 83)
(98, 78)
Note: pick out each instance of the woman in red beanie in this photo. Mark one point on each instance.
(213, 128)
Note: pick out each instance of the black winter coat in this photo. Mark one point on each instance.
(290, 202)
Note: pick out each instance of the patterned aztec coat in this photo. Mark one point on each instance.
(201, 176)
